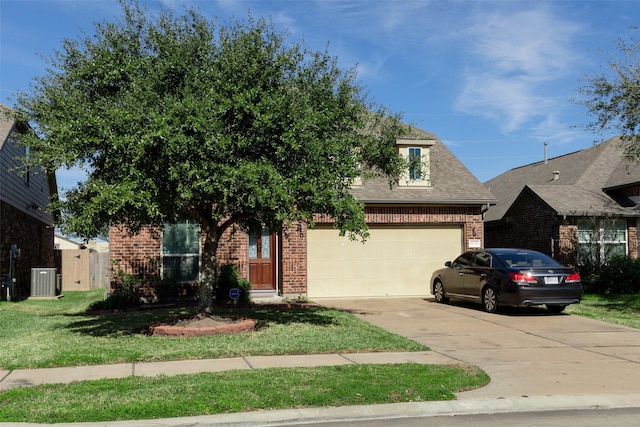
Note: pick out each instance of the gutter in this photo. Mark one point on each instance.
(492, 202)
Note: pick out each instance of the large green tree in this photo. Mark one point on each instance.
(177, 117)
(613, 97)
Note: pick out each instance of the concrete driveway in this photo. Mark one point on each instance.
(526, 352)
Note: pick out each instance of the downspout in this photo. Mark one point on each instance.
(485, 208)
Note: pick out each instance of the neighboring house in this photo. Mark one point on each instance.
(433, 215)
(63, 243)
(574, 207)
(26, 228)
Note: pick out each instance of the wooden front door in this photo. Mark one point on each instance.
(262, 260)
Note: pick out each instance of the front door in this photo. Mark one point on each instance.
(262, 260)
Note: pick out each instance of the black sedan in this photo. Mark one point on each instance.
(514, 277)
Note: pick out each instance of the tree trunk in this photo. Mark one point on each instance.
(209, 270)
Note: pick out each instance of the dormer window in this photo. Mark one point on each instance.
(415, 163)
(417, 153)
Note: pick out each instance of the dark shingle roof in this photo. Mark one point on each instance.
(627, 173)
(574, 200)
(451, 183)
(578, 187)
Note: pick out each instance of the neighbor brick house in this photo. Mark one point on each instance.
(434, 213)
(26, 228)
(582, 204)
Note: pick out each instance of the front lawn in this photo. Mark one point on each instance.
(58, 333)
(621, 309)
(49, 333)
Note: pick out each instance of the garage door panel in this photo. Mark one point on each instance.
(394, 261)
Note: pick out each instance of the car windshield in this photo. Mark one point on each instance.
(527, 259)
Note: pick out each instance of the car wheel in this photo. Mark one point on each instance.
(556, 308)
(438, 292)
(489, 300)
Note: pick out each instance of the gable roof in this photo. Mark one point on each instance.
(451, 183)
(6, 124)
(573, 184)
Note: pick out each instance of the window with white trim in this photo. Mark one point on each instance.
(600, 239)
(415, 163)
(181, 251)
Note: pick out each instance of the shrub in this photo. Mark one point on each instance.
(165, 288)
(228, 279)
(125, 293)
(620, 275)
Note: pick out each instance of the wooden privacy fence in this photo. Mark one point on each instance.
(83, 269)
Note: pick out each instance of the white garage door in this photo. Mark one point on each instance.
(394, 261)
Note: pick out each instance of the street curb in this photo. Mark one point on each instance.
(392, 411)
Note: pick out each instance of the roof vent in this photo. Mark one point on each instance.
(545, 152)
(556, 175)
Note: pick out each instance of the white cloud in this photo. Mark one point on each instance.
(534, 42)
(514, 60)
(556, 132)
(508, 101)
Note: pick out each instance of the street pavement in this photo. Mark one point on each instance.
(537, 362)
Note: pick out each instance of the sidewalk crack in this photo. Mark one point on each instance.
(248, 363)
(353, 362)
(5, 377)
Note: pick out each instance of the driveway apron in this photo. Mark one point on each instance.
(527, 352)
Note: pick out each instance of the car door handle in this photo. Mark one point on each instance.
(483, 275)
(461, 274)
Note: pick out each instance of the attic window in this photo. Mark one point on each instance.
(415, 163)
(417, 152)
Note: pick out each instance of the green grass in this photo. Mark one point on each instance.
(58, 333)
(40, 334)
(619, 309)
(235, 391)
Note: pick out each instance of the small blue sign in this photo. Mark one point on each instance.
(234, 293)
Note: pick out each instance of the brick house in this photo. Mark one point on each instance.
(433, 214)
(574, 206)
(26, 228)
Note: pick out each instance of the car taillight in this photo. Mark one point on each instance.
(572, 278)
(522, 277)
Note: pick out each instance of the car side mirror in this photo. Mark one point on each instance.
(448, 264)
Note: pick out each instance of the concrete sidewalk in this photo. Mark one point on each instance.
(31, 377)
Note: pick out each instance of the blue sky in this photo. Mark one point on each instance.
(492, 79)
